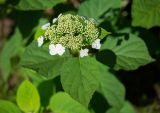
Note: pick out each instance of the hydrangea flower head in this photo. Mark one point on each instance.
(73, 32)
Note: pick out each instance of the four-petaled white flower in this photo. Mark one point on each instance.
(56, 49)
(45, 26)
(40, 41)
(96, 44)
(83, 52)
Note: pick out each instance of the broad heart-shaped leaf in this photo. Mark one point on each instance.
(39, 59)
(11, 48)
(111, 88)
(127, 108)
(8, 107)
(80, 78)
(63, 103)
(130, 53)
(37, 4)
(96, 8)
(28, 98)
(146, 13)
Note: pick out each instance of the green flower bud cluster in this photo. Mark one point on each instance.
(72, 31)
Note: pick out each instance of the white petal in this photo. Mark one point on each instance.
(84, 52)
(97, 40)
(59, 15)
(59, 46)
(96, 44)
(54, 20)
(52, 49)
(60, 49)
(61, 52)
(40, 41)
(52, 46)
(45, 26)
(52, 52)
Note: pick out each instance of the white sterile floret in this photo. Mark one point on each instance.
(40, 41)
(83, 52)
(54, 20)
(96, 44)
(60, 49)
(56, 49)
(52, 49)
(45, 26)
(59, 15)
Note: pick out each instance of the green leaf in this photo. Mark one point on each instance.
(2, 1)
(8, 107)
(32, 75)
(80, 78)
(11, 48)
(127, 108)
(111, 88)
(146, 13)
(39, 32)
(130, 53)
(104, 33)
(39, 59)
(63, 103)
(44, 93)
(96, 8)
(37, 4)
(28, 98)
(113, 110)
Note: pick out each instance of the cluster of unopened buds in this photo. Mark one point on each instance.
(72, 32)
